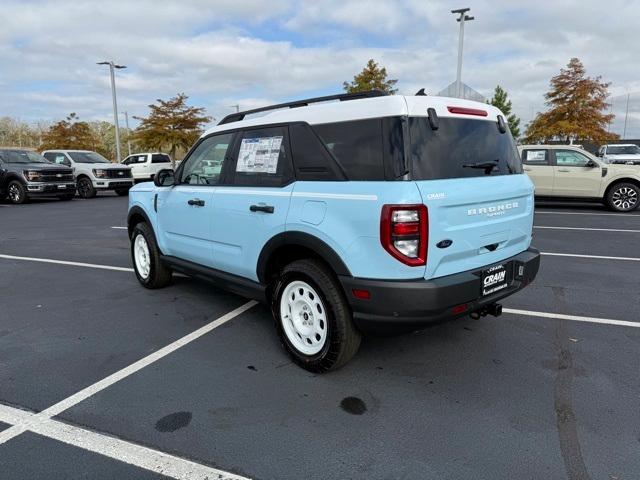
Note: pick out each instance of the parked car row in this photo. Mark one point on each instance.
(25, 174)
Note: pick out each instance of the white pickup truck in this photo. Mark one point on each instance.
(144, 166)
(623, 153)
(92, 172)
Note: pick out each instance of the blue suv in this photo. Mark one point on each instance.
(348, 214)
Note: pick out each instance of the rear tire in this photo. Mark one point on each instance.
(313, 318)
(122, 192)
(623, 197)
(145, 255)
(17, 193)
(85, 188)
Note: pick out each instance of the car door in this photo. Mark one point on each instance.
(576, 175)
(185, 209)
(251, 206)
(536, 163)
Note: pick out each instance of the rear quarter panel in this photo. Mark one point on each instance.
(346, 216)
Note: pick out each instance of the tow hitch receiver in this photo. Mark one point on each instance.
(494, 309)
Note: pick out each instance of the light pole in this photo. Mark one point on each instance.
(237, 107)
(126, 122)
(463, 17)
(626, 115)
(113, 66)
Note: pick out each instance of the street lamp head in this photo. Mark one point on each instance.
(119, 66)
(102, 63)
(461, 10)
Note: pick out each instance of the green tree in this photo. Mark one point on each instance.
(372, 77)
(171, 126)
(69, 134)
(577, 106)
(500, 100)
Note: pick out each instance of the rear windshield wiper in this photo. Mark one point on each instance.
(486, 166)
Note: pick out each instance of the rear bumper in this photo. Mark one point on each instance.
(398, 306)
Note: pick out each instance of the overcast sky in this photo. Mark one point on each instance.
(254, 52)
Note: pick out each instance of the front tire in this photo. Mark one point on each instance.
(313, 318)
(17, 193)
(150, 270)
(623, 197)
(85, 188)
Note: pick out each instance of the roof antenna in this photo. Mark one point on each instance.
(421, 93)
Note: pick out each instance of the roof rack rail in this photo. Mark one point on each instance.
(236, 117)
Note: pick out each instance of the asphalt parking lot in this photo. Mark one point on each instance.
(101, 378)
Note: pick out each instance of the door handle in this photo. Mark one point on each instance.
(262, 208)
(197, 202)
(563, 170)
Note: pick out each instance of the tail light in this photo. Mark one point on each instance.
(404, 233)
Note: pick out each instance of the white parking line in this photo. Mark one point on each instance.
(576, 318)
(588, 229)
(601, 257)
(587, 213)
(119, 228)
(105, 445)
(112, 447)
(65, 262)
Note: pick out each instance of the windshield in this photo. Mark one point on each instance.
(22, 156)
(87, 157)
(623, 150)
(461, 148)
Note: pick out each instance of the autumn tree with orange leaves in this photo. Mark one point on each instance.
(577, 106)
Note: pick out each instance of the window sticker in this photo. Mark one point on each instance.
(535, 155)
(259, 155)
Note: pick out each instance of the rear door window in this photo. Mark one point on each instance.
(461, 148)
(535, 157)
(160, 158)
(263, 158)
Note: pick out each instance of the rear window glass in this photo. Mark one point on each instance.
(357, 146)
(461, 148)
(160, 158)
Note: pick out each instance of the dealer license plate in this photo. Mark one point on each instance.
(494, 279)
(61, 187)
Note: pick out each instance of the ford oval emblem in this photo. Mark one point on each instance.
(444, 243)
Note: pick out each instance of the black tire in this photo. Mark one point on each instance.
(85, 188)
(623, 197)
(159, 274)
(66, 197)
(343, 340)
(123, 192)
(17, 193)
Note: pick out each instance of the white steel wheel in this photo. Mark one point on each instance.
(624, 198)
(303, 317)
(141, 256)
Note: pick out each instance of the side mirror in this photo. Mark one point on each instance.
(164, 178)
(591, 164)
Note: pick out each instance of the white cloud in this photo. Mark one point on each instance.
(227, 52)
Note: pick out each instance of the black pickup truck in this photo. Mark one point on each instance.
(25, 174)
